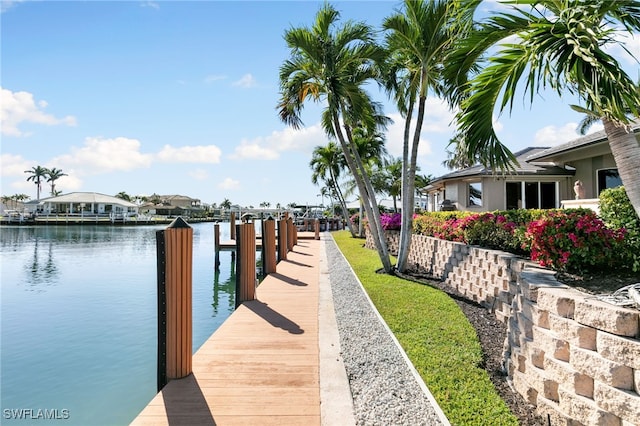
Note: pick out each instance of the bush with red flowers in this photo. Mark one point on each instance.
(574, 241)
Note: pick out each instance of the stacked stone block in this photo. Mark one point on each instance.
(574, 357)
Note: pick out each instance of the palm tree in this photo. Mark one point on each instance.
(53, 175)
(419, 37)
(38, 173)
(326, 163)
(332, 65)
(560, 46)
(123, 196)
(225, 204)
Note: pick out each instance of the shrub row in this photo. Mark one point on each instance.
(570, 240)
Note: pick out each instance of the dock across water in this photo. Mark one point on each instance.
(274, 361)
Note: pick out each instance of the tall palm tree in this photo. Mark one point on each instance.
(560, 45)
(52, 176)
(419, 37)
(327, 163)
(37, 174)
(332, 64)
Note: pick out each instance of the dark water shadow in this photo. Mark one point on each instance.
(273, 317)
(185, 403)
(288, 280)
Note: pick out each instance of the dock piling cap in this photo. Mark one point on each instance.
(179, 222)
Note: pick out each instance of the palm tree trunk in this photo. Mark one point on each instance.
(409, 179)
(626, 153)
(343, 205)
(360, 177)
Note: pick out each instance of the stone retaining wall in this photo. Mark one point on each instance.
(577, 359)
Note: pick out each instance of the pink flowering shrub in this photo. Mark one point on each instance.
(355, 219)
(390, 221)
(573, 241)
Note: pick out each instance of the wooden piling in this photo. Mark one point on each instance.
(232, 225)
(175, 335)
(282, 240)
(290, 235)
(269, 246)
(216, 239)
(316, 226)
(245, 263)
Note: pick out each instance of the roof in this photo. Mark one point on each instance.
(88, 197)
(579, 143)
(523, 168)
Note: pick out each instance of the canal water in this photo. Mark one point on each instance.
(79, 319)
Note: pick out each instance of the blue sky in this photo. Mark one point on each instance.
(179, 98)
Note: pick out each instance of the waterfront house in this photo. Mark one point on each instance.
(83, 204)
(545, 178)
(172, 205)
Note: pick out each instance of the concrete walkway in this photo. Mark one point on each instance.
(274, 361)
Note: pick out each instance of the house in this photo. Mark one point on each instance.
(82, 204)
(172, 205)
(545, 178)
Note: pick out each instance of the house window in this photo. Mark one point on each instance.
(608, 178)
(531, 195)
(475, 194)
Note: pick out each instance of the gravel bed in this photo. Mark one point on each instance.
(384, 387)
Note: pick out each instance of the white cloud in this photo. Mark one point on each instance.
(199, 174)
(632, 43)
(554, 135)
(99, 155)
(254, 150)
(14, 165)
(150, 4)
(213, 78)
(288, 139)
(246, 82)
(19, 107)
(7, 4)
(438, 124)
(190, 154)
(229, 183)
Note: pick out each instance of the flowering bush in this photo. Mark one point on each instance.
(617, 212)
(355, 219)
(573, 241)
(567, 240)
(390, 221)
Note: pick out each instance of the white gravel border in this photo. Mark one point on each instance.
(385, 387)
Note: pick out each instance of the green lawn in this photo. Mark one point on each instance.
(436, 336)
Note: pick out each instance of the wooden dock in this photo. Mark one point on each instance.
(231, 244)
(262, 366)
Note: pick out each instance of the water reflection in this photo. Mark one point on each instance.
(39, 274)
(227, 287)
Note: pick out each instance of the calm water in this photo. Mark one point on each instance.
(78, 318)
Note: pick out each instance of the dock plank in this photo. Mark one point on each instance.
(261, 366)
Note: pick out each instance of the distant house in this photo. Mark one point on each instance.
(172, 205)
(545, 179)
(82, 203)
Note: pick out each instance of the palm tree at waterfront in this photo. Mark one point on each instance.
(52, 176)
(332, 64)
(558, 44)
(419, 38)
(327, 163)
(37, 175)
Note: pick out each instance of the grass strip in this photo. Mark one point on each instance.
(437, 337)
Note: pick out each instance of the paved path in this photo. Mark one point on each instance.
(274, 361)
